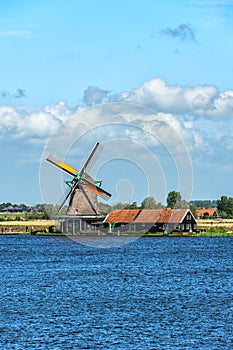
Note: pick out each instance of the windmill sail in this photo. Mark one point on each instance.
(96, 189)
(92, 158)
(64, 198)
(67, 168)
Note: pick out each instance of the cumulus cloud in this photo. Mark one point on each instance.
(184, 32)
(200, 100)
(223, 104)
(38, 124)
(94, 95)
(19, 123)
(164, 112)
(59, 110)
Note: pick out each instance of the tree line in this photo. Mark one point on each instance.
(174, 200)
(224, 205)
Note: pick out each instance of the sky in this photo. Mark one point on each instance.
(150, 80)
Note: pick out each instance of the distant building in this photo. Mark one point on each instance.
(154, 220)
(207, 212)
(11, 209)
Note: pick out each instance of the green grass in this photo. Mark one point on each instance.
(136, 234)
(22, 216)
(213, 234)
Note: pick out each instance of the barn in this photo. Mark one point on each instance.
(154, 220)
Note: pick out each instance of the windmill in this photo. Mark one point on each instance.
(83, 189)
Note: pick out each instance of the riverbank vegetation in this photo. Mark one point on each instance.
(17, 212)
(204, 228)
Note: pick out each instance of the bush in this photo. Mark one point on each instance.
(217, 229)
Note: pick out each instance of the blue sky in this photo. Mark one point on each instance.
(171, 61)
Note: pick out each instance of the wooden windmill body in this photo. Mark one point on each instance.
(83, 190)
(79, 205)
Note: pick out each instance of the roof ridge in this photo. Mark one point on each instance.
(139, 211)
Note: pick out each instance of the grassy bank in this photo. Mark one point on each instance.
(24, 226)
(207, 224)
(205, 228)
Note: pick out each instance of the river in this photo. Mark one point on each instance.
(154, 293)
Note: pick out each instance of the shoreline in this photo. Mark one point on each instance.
(115, 235)
(205, 228)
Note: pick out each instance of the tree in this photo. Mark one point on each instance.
(150, 203)
(174, 199)
(23, 206)
(104, 208)
(132, 206)
(119, 206)
(4, 205)
(206, 203)
(193, 209)
(225, 207)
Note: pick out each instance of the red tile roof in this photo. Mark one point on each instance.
(162, 215)
(172, 215)
(210, 211)
(150, 215)
(124, 216)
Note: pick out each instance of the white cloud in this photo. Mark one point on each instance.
(154, 94)
(201, 100)
(8, 119)
(59, 110)
(94, 95)
(19, 123)
(223, 104)
(38, 124)
(154, 113)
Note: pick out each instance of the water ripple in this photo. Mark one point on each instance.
(154, 293)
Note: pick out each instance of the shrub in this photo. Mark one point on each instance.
(217, 229)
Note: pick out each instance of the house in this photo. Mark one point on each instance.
(207, 213)
(11, 209)
(154, 220)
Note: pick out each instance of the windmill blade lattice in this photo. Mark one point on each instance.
(92, 158)
(63, 199)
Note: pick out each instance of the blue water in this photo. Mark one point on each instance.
(154, 293)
